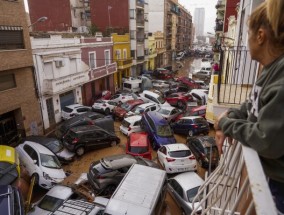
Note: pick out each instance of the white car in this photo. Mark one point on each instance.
(160, 84)
(183, 188)
(52, 199)
(149, 96)
(140, 109)
(200, 95)
(41, 163)
(169, 112)
(105, 106)
(122, 97)
(131, 124)
(202, 84)
(176, 158)
(73, 110)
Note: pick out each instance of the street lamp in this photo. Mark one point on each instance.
(41, 19)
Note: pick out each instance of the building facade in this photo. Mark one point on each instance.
(97, 55)
(64, 15)
(199, 18)
(152, 52)
(60, 74)
(121, 55)
(161, 59)
(19, 109)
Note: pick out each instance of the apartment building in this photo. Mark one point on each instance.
(19, 109)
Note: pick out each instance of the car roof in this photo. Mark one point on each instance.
(145, 105)
(82, 128)
(206, 141)
(60, 192)
(138, 139)
(150, 93)
(176, 147)
(170, 108)
(73, 106)
(118, 161)
(157, 118)
(189, 180)
(40, 148)
(134, 101)
(192, 117)
(133, 118)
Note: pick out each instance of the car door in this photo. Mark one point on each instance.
(82, 110)
(177, 193)
(31, 159)
(162, 154)
(99, 139)
(187, 126)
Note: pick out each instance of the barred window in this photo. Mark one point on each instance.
(11, 37)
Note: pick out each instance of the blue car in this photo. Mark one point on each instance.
(191, 125)
(158, 129)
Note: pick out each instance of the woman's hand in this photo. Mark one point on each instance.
(216, 124)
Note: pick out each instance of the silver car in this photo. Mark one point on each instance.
(183, 188)
(104, 175)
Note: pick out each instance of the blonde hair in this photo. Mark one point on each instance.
(270, 16)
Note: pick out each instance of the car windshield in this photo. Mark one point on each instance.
(192, 193)
(214, 154)
(124, 123)
(164, 131)
(100, 101)
(55, 146)
(138, 149)
(138, 110)
(161, 99)
(180, 154)
(68, 110)
(164, 111)
(126, 106)
(50, 203)
(200, 120)
(49, 161)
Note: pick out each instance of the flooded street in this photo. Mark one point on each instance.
(82, 164)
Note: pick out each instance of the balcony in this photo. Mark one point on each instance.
(124, 63)
(140, 58)
(219, 27)
(140, 22)
(102, 71)
(237, 186)
(140, 39)
(55, 86)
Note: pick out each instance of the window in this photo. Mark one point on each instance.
(132, 34)
(11, 37)
(133, 53)
(7, 82)
(132, 14)
(92, 60)
(124, 54)
(107, 57)
(118, 54)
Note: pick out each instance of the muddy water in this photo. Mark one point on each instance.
(81, 165)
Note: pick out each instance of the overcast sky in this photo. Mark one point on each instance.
(210, 11)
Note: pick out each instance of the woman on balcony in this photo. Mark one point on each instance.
(259, 123)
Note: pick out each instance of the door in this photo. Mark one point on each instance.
(28, 158)
(97, 139)
(50, 112)
(66, 99)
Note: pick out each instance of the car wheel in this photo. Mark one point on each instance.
(80, 151)
(190, 133)
(113, 143)
(107, 111)
(180, 104)
(35, 175)
(108, 191)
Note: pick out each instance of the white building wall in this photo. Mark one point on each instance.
(198, 20)
(156, 15)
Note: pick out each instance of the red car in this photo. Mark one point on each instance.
(196, 111)
(178, 99)
(163, 74)
(189, 82)
(138, 144)
(120, 111)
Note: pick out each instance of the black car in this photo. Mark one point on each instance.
(54, 145)
(202, 147)
(11, 202)
(105, 174)
(83, 119)
(87, 137)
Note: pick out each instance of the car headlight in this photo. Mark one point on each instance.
(46, 176)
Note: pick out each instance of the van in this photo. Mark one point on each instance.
(141, 192)
(132, 86)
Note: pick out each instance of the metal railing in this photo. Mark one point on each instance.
(237, 74)
(237, 186)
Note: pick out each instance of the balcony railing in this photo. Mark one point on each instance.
(140, 58)
(237, 74)
(237, 186)
(219, 27)
(140, 39)
(102, 71)
(124, 63)
(140, 21)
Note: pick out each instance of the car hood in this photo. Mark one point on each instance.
(120, 110)
(166, 104)
(65, 154)
(56, 174)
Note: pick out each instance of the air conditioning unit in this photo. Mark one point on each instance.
(59, 63)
